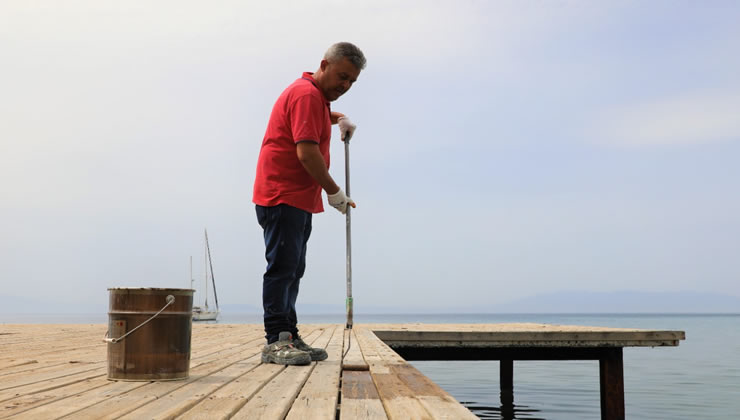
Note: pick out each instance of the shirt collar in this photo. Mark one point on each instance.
(309, 76)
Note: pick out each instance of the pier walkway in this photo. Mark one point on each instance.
(60, 371)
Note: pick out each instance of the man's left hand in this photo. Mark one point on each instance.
(346, 128)
(340, 201)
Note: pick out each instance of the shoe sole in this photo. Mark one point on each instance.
(301, 360)
(318, 358)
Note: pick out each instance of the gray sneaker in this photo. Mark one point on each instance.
(317, 354)
(283, 352)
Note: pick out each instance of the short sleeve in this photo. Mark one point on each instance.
(307, 119)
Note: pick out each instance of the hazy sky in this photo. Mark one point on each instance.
(504, 148)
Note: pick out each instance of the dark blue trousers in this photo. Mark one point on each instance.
(286, 230)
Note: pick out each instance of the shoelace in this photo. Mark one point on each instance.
(287, 345)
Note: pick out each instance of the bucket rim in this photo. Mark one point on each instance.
(151, 290)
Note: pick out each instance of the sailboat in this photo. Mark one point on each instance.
(205, 313)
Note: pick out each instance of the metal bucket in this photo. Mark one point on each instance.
(149, 333)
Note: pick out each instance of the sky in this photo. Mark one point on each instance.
(504, 149)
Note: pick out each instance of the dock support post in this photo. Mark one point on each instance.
(506, 381)
(611, 376)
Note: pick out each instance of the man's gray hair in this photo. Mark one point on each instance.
(346, 50)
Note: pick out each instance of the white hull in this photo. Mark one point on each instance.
(200, 315)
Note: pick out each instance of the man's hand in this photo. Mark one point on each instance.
(339, 201)
(346, 128)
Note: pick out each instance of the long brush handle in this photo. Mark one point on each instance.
(349, 236)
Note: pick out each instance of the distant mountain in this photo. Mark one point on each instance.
(25, 305)
(315, 309)
(563, 302)
(622, 302)
(555, 302)
(240, 308)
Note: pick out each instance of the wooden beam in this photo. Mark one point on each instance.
(501, 353)
(506, 383)
(611, 377)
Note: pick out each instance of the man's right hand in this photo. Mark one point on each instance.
(339, 201)
(346, 128)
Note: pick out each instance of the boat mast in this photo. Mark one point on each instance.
(192, 280)
(205, 266)
(210, 263)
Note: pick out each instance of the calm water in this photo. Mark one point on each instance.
(699, 379)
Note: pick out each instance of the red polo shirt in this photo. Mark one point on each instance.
(301, 113)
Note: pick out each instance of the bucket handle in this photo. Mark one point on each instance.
(170, 300)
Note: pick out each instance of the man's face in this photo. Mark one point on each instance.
(338, 77)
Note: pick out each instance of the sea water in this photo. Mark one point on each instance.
(699, 379)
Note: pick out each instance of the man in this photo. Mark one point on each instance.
(292, 169)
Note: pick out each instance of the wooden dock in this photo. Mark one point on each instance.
(60, 371)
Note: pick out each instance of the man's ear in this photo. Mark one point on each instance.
(324, 65)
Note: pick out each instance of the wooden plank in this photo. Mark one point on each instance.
(226, 401)
(353, 360)
(78, 401)
(49, 385)
(134, 395)
(98, 348)
(45, 374)
(28, 366)
(548, 338)
(12, 363)
(399, 402)
(438, 403)
(360, 399)
(227, 346)
(179, 401)
(380, 349)
(65, 379)
(275, 399)
(318, 398)
(68, 348)
(42, 338)
(399, 380)
(95, 352)
(71, 358)
(26, 402)
(115, 406)
(497, 327)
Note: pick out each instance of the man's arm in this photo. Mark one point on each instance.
(335, 116)
(311, 159)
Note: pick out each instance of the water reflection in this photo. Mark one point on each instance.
(503, 412)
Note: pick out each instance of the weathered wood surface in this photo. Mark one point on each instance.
(60, 371)
(520, 335)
